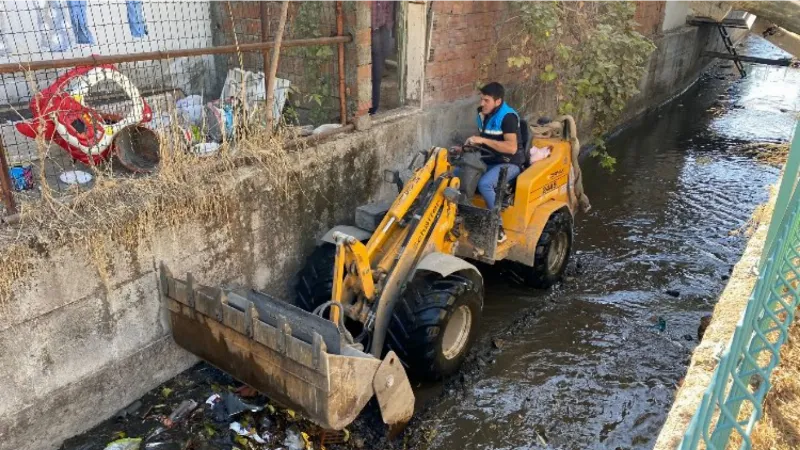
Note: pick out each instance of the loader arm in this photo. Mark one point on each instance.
(433, 226)
(419, 222)
(312, 363)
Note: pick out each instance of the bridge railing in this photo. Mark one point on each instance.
(733, 401)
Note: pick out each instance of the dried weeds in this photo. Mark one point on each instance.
(770, 153)
(127, 210)
(779, 428)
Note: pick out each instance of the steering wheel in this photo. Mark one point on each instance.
(485, 152)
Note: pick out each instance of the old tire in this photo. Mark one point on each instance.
(435, 323)
(315, 280)
(552, 252)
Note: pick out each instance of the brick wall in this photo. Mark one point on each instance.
(650, 17)
(463, 46)
(463, 34)
(312, 70)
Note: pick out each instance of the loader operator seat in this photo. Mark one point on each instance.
(525, 137)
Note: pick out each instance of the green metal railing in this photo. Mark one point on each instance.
(733, 401)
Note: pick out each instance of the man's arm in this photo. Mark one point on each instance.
(508, 145)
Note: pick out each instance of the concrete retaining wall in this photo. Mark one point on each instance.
(74, 349)
(72, 353)
(676, 64)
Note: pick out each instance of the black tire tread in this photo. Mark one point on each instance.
(315, 280)
(417, 321)
(537, 275)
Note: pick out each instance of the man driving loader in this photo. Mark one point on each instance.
(498, 126)
(395, 294)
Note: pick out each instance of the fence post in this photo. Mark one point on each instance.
(340, 59)
(788, 182)
(265, 38)
(273, 66)
(5, 182)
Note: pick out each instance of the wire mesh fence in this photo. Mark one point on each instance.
(62, 123)
(733, 401)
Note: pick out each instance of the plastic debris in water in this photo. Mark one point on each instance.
(659, 323)
(129, 410)
(297, 440)
(181, 412)
(214, 398)
(230, 405)
(293, 441)
(247, 432)
(266, 423)
(125, 444)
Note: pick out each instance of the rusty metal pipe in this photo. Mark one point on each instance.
(340, 33)
(273, 65)
(157, 55)
(5, 183)
(264, 37)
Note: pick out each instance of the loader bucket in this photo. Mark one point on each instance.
(296, 358)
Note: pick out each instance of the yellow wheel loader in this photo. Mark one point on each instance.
(393, 293)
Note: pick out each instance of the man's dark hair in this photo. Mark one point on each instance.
(494, 90)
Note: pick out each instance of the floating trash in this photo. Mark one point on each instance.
(125, 444)
(251, 433)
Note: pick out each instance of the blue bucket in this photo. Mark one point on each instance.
(21, 177)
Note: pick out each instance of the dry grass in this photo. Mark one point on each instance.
(779, 429)
(773, 154)
(128, 210)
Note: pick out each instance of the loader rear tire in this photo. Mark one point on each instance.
(434, 324)
(315, 280)
(552, 252)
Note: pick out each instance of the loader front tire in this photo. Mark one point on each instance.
(435, 323)
(315, 280)
(552, 252)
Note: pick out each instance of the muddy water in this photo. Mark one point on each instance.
(596, 365)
